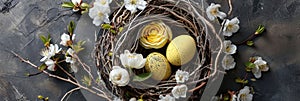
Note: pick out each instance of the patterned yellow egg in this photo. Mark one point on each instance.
(181, 50)
(158, 65)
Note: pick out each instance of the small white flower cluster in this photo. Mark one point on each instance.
(47, 54)
(133, 5)
(101, 9)
(120, 76)
(244, 94)
(100, 12)
(229, 49)
(230, 26)
(178, 91)
(50, 51)
(260, 65)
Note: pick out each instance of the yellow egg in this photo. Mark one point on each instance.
(181, 50)
(158, 65)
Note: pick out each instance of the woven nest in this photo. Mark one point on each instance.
(179, 15)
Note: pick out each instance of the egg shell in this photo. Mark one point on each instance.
(158, 65)
(181, 50)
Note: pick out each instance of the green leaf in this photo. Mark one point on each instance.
(106, 26)
(78, 47)
(121, 29)
(113, 31)
(250, 43)
(250, 65)
(85, 10)
(42, 67)
(85, 5)
(142, 77)
(67, 5)
(260, 29)
(71, 27)
(43, 38)
(242, 81)
(87, 80)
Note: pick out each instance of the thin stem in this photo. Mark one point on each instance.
(198, 87)
(230, 7)
(72, 90)
(61, 78)
(259, 30)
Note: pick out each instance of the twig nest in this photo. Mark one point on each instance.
(155, 35)
(158, 65)
(181, 50)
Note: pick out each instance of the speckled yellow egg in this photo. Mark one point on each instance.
(158, 65)
(181, 50)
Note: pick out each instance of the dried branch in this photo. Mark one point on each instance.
(61, 78)
(70, 91)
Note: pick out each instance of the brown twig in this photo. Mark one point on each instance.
(198, 87)
(70, 91)
(230, 7)
(61, 78)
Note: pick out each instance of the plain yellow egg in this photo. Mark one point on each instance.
(181, 50)
(158, 65)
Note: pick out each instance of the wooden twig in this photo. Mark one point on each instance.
(61, 78)
(198, 87)
(230, 7)
(70, 91)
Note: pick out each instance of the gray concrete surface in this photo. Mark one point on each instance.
(22, 21)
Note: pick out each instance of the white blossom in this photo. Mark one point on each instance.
(260, 65)
(77, 4)
(54, 49)
(213, 12)
(231, 26)
(133, 5)
(50, 65)
(71, 60)
(244, 94)
(46, 54)
(66, 39)
(181, 76)
(132, 60)
(179, 91)
(99, 13)
(103, 2)
(119, 76)
(166, 98)
(132, 99)
(228, 62)
(229, 47)
(234, 97)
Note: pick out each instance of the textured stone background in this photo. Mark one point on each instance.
(22, 21)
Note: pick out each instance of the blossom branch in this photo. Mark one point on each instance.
(103, 95)
(72, 90)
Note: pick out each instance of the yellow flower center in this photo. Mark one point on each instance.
(180, 77)
(103, 2)
(100, 14)
(133, 2)
(214, 11)
(229, 27)
(227, 49)
(131, 56)
(118, 77)
(243, 97)
(262, 66)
